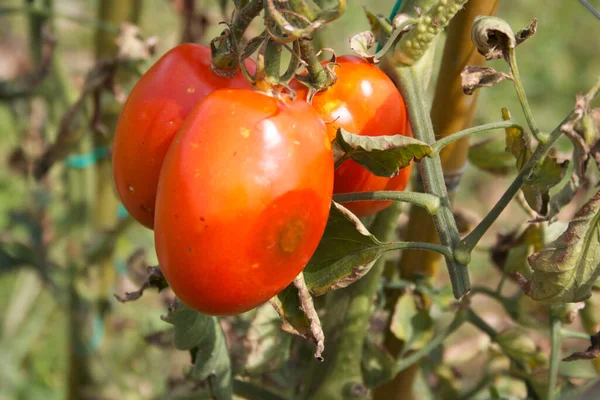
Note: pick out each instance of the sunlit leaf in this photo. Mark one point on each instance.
(411, 324)
(517, 344)
(382, 155)
(203, 336)
(347, 251)
(566, 269)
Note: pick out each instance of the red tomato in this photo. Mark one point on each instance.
(153, 113)
(243, 199)
(363, 101)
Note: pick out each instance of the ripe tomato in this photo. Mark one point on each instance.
(363, 101)
(153, 113)
(243, 199)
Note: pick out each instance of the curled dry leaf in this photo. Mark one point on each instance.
(592, 352)
(493, 37)
(298, 315)
(155, 279)
(566, 269)
(526, 32)
(361, 43)
(475, 77)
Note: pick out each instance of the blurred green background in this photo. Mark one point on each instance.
(562, 59)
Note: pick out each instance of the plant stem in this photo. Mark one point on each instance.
(555, 341)
(445, 141)
(436, 248)
(512, 63)
(488, 292)
(483, 326)
(463, 252)
(567, 333)
(411, 86)
(429, 202)
(319, 76)
(348, 314)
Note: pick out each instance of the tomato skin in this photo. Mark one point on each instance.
(151, 116)
(243, 200)
(363, 101)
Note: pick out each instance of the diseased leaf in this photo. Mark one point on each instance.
(203, 336)
(411, 324)
(382, 155)
(347, 251)
(543, 178)
(492, 37)
(299, 317)
(377, 366)
(155, 279)
(474, 77)
(268, 346)
(491, 156)
(518, 345)
(565, 270)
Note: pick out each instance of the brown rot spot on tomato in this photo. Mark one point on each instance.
(291, 235)
(189, 249)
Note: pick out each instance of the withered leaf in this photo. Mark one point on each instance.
(474, 77)
(361, 43)
(592, 352)
(526, 32)
(155, 279)
(299, 317)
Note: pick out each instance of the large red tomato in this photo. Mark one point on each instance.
(153, 113)
(243, 200)
(363, 101)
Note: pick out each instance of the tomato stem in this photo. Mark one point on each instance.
(436, 248)
(225, 49)
(320, 77)
(463, 252)
(428, 201)
(411, 86)
(518, 83)
(440, 144)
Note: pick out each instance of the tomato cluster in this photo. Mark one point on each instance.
(236, 184)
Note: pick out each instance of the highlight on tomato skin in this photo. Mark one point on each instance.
(152, 114)
(243, 199)
(363, 101)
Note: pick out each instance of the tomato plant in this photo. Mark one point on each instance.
(363, 101)
(153, 113)
(243, 200)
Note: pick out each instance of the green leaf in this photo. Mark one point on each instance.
(14, 255)
(347, 251)
(491, 156)
(411, 324)
(377, 365)
(203, 336)
(517, 344)
(566, 269)
(382, 155)
(380, 26)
